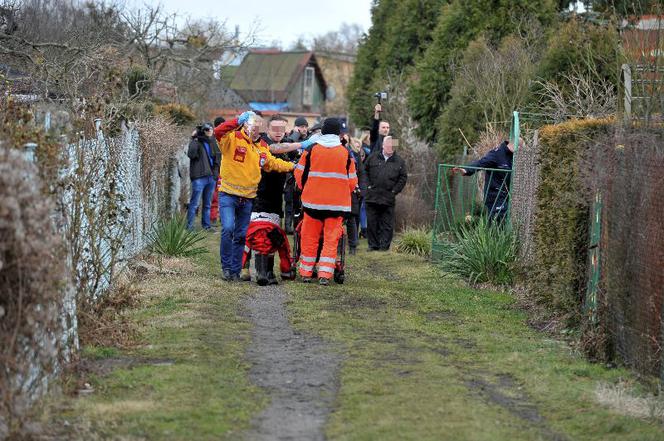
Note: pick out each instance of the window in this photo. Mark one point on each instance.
(308, 91)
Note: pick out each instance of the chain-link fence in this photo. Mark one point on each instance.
(625, 172)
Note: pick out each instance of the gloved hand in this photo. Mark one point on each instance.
(244, 117)
(306, 144)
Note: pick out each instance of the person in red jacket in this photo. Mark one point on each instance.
(327, 177)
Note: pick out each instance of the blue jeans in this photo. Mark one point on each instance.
(235, 214)
(363, 216)
(200, 186)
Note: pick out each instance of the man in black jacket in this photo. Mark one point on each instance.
(497, 181)
(299, 133)
(379, 130)
(205, 159)
(386, 177)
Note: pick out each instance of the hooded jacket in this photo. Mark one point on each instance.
(199, 162)
(326, 175)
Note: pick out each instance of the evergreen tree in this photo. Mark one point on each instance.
(400, 32)
(459, 24)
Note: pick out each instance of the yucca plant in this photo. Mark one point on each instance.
(170, 237)
(482, 252)
(415, 241)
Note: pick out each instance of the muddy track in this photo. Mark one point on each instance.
(299, 372)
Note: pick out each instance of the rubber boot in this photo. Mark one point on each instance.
(271, 278)
(261, 269)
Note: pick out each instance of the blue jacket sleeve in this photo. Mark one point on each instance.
(490, 160)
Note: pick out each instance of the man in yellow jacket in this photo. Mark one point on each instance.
(243, 156)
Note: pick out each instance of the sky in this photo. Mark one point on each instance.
(279, 20)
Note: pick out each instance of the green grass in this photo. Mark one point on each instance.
(424, 357)
(187, 379)
(428, 358)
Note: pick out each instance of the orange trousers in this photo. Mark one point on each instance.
(332, 229)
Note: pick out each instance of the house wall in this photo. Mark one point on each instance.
(295, 97)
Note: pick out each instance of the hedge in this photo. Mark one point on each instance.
(561, 228)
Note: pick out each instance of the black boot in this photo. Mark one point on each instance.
(271, 278)
(288, 224)
(261, 268)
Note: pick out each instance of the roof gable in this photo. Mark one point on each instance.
(269, 76)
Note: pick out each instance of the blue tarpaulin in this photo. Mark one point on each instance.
(266, 107)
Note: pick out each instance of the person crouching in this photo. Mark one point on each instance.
(327, 177)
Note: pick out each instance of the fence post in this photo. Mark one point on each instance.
(627, 76)
(594, 256)
(29, 150)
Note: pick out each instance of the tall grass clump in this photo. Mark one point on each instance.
(482, 252)
(415, 241)
(172, 238)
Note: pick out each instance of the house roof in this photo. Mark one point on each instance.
(269, 76)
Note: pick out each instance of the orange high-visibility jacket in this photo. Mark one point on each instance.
(330, 178)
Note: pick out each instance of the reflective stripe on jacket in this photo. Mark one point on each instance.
(329, 180)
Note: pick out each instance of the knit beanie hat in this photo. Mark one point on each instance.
(301, 121)
(331, 126)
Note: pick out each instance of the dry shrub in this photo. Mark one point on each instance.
(103, 323)
(32, 287)
(412, 210)
(160, 140)
(624, 399)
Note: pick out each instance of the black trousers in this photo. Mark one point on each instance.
(352, 230)
(380, 226)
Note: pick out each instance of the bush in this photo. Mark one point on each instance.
(180, 114)
(172, 238)
(32, 290)
(560, 232)
(415, 241)
(482, 252)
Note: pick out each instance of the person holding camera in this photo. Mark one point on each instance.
(205, 159)
(379, 129)
(244, 156)
(386, 177)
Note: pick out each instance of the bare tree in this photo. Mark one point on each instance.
(580, 96)
(344, 40)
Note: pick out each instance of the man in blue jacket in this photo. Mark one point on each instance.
(497, 182)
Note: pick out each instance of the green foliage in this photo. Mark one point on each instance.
(482, 252)
(172, 238)
(581, 47)
(416, 241)
(488, 86)
(400, 32)
(139, 81)
(561, 226)
(460, 23)
(180, 114)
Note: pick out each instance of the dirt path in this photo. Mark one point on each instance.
(298, 371)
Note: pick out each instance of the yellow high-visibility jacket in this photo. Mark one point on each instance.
(241, 164)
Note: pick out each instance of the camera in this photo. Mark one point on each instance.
(380, 96)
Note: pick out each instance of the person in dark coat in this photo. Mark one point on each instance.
(353, 222)
(379, 130)
(299, 133)
(386, 177)
(497, 182)
(205, 159)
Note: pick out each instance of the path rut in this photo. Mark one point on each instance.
(298, 371)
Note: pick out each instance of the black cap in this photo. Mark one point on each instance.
(301, 121)
(331, 126)
(316, 127)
